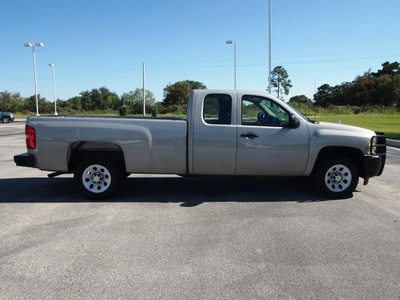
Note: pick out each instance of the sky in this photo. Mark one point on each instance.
(105, 43)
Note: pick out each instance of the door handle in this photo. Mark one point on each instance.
(249, 135)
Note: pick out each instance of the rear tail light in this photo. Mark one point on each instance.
(30, 137)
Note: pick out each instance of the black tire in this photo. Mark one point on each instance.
(97, 178)
(337, 177)
(6, 120)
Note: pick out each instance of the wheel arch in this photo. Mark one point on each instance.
(355, 154)
(81, 150)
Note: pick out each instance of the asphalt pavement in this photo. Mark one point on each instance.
(168, 237)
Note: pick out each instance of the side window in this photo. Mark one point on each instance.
(217, 109)
(260, 111)
(250, 112)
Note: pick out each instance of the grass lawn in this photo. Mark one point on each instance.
(387, 123)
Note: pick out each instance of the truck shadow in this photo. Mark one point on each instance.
(189, 192)
(195, 191)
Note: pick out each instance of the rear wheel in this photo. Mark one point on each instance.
(337, 177)
(97, 178)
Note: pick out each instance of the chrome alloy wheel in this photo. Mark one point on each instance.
(338, 178)
(96, 178)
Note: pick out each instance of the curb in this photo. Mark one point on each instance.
(393, 143)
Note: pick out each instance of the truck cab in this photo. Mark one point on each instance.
(243, 133)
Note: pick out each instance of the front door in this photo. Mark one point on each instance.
(266, 145)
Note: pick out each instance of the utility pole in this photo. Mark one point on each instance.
(54, 90)
(269, 77)
(234, 60)
(34, 70)
(144, 91)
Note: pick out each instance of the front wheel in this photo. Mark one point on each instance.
(337, 177)
(6, 120)
(97, 178)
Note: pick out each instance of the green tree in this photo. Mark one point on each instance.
(382, 90)
(128, 99)
(387, 90)
(176, 96)
(75, 103)
(109, 99)
(331, 95)
(45, 107)
(280, 81)
(99, 99)
(360, 91)
(12, 102)
(302, 99)
(388, 69)
(323, 97)
(86, 101)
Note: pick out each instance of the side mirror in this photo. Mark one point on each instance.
(293, 121)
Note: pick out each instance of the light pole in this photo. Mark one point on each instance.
(234, 58)
(144, 91)
(34, 70)
(269, 74)
(54, 89)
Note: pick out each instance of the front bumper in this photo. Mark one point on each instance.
(373, 165)
(25, 160)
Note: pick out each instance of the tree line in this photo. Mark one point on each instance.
(102, 100)
(380, 88)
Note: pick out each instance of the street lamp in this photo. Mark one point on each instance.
(34, 70)
(54, 89)
(269, 74)
(144, 90)
(234, 58)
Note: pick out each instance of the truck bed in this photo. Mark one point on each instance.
(147, 143)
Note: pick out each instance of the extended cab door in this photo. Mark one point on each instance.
(266, 145)
(212, 133)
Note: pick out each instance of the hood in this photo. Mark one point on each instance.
(344, 129)
(325, 134)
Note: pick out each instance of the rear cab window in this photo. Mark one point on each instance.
(217, 109)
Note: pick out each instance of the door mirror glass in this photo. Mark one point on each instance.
(293, 121)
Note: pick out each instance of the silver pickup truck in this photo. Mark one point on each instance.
(228, 133)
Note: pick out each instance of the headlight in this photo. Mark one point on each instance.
(373, 145)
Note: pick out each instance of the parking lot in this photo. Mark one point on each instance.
(167, 237)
